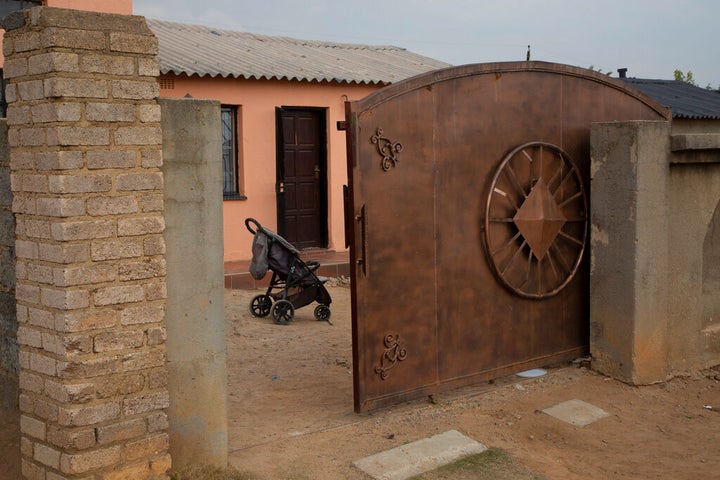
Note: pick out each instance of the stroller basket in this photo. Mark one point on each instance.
(294, 283)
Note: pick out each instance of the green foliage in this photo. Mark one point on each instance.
(688, 78)
(599, 70)
(684, 77)
(492, 464)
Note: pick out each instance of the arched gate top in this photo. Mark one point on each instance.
(426, 80)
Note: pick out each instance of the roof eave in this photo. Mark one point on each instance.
(293, 78)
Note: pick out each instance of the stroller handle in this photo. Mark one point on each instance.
(248, 221)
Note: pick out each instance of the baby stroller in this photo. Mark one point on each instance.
(293, 284)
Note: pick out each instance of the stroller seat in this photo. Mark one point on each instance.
(294, 283)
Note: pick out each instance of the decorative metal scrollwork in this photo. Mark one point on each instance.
(536, 220)
(387, 148)
(394, 353)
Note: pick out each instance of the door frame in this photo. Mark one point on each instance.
(321, 113)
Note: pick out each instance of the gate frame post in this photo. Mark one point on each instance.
(197, 352)
(629, 250)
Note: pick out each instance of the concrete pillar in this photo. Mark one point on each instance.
(629, 250)
(85, 156)
(196, 317)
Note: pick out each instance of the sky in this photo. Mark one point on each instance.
(651, 38)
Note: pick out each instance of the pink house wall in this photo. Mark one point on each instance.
(256, 101)
(104, 6)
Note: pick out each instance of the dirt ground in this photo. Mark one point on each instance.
(291, 416)
(9, 430)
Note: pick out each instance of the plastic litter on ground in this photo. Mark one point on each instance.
(535, 372)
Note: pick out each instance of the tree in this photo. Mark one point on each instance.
(688, 78)
(685, 77)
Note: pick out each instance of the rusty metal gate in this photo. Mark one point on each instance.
(467, 219)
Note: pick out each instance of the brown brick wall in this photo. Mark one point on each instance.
(85, 156)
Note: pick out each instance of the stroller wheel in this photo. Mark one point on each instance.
(282, 312)
(260, 305)
(322, 313)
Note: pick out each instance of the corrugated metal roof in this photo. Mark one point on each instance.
(207, 51)
(685, 100)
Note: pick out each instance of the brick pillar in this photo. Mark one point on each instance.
(85, 157)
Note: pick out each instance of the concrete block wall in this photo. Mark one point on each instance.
(85, 156)
(655, 246)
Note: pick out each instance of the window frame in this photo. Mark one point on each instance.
(3, 99)
(232, 186)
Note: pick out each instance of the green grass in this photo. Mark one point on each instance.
(492, 464)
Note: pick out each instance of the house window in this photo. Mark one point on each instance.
(231, 175)
(166, 83)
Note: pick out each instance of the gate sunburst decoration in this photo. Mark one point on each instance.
(536, 220)
(387, 148)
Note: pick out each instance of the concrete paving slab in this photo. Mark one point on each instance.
(576, 412)
(418, 457)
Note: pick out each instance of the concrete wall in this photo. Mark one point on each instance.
(682, 126)
(85, 157)
(694, 243)
(655, 245)
(256, 101)
(695, 162)
(197, 380)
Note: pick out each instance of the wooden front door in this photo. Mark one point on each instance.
(302, 177)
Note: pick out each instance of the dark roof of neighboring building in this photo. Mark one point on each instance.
(8, 6)
(206, 51)
(685, 100)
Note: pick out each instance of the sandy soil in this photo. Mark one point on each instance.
(291, 411)
(9, 430)
(291, 417)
